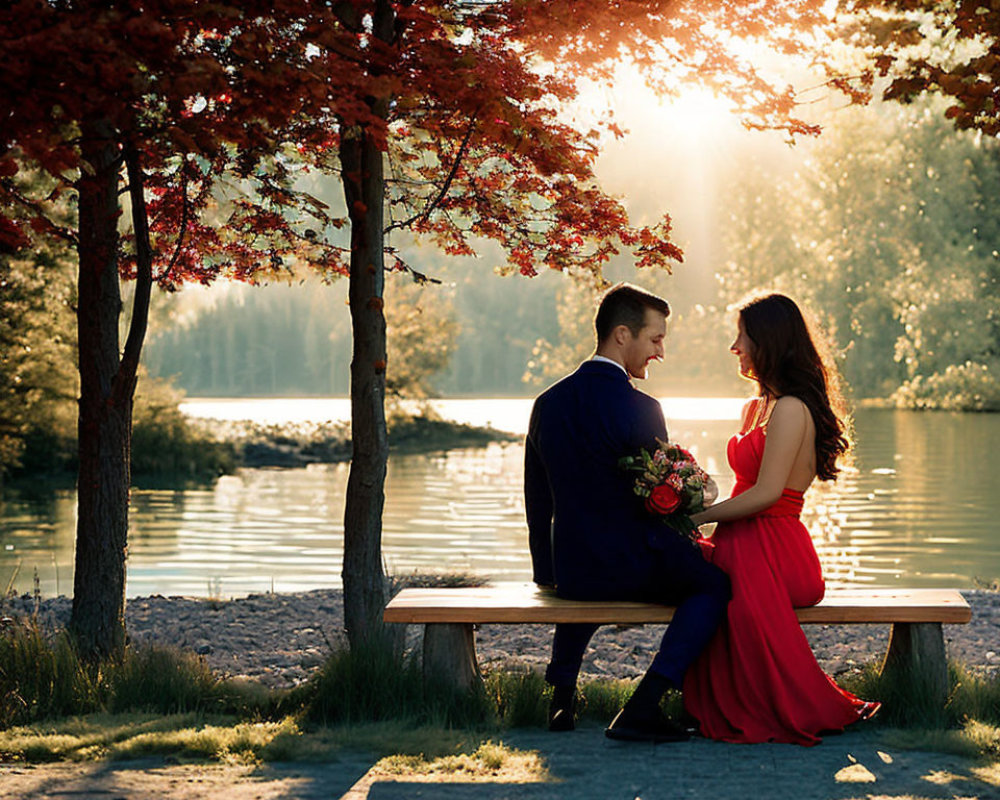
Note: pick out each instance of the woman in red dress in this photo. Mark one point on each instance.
(758, 680)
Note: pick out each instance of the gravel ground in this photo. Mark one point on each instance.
(279, 639)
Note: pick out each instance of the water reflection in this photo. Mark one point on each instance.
(919, 507)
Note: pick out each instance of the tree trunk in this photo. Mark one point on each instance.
(104, 423)
(107, 389)
(364, 190)
(364, 581)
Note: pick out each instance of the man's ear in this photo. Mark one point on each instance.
(622, 334)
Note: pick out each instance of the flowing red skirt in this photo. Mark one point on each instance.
(758, 680)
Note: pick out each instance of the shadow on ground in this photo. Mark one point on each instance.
(584, 764)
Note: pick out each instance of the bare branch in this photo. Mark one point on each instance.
(426, 211)
(127, 369)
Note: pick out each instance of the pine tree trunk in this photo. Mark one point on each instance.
(104, 423)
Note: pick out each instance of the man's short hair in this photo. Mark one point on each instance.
(626, 305)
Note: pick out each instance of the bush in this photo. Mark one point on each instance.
(426, 432)
(47, 452)
(165, 442)
(965, 387)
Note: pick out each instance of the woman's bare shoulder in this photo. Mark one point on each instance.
(790, 401)
(789, 411)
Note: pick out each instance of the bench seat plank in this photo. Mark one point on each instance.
(525, 602)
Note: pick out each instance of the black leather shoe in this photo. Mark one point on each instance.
(689, 724)
(654, 728)
(561, 719)
(562, 709)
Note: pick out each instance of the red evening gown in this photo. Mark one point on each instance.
(758, 680)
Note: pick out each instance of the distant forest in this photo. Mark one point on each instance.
(884, 227)
(295, 339)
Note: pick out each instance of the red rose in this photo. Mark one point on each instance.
(663, 499)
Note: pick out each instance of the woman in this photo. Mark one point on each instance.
(758, 681)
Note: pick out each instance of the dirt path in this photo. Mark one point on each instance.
(582, 765)
(151, 778)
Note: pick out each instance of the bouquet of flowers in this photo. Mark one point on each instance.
(672, 483)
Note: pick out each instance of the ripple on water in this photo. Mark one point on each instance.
(920, 509)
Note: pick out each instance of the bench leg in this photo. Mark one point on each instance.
(450, 654)
(916, 656)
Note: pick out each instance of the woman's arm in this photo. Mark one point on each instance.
(786, 432)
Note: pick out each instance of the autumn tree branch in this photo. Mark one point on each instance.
(38, 210)
(182, 229)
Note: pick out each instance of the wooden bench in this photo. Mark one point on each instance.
(916, 649)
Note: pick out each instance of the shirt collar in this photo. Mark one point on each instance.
(609, 361)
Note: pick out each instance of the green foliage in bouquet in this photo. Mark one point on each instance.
(672, 484)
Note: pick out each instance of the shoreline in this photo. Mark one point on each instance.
(298, 444)
(280, 640)
(213, 447)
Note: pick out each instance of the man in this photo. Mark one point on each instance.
(589, 534)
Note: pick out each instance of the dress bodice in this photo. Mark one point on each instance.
(745, 451)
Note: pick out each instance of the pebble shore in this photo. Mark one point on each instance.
(280, 639)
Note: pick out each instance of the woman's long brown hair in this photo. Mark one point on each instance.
(786, 361)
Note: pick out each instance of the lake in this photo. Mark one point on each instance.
(919, 507)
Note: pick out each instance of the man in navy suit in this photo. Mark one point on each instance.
(589, 534)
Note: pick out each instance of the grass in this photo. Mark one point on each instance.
(488, 760)
(184, 736)
(42, 677)
(971, 697)
(968, 725)
(416, 753)
(162, 701)
(438, 580)
(373, 683)
(972, 740)
(521, 698)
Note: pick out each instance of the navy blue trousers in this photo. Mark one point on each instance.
(677, 575)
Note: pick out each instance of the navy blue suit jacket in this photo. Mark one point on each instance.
(588, 532)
